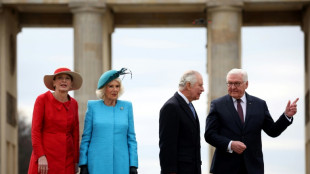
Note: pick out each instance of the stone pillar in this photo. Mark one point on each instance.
(108, 29)
(88, 48)
(224, 21)
(1, 84)
(8, 91)
(306, 29)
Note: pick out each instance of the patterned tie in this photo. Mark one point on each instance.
(240, 111)
(192, 108)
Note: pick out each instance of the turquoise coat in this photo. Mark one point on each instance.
(109, 141)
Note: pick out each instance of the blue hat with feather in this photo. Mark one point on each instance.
(110, 75)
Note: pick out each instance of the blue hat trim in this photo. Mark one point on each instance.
(110, 75)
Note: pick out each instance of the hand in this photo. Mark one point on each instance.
(76, 167)
(133, 170)
(238, 147)
(84, 169)
(291, 109)
(42, 165)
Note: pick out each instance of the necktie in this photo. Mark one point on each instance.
(192, 108)
(240, 111)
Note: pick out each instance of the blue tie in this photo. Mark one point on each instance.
(192, 108)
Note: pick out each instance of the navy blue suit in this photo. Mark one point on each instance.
(223, 125)
(179, 138)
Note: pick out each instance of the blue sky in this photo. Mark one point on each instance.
(273, 57)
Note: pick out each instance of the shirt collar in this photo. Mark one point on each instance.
(243, 98)
(183, 96)
(57, 103)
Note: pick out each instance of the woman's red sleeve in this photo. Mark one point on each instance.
(37, 126)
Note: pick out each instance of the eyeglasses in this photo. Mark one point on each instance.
(236, 84)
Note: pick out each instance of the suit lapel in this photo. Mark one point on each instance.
(249, 106)
(186, 108)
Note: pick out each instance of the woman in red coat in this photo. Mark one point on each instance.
(55, 126)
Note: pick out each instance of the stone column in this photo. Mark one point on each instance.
(9, 28)
(88, 48)
(306, 29)
(2, 100)
(108, 29)
(224, 21)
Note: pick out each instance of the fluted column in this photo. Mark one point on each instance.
(88, 49)
(9, 27)
(224, 21)
(306, 30)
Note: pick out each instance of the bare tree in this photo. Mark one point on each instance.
(24, 144)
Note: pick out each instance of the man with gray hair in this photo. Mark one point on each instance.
(234, 127)
(179, 128)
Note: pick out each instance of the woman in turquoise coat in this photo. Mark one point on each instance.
(109, 143)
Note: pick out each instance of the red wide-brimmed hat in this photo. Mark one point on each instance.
(76, 78)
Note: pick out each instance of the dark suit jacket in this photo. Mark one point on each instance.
(223, 125)
(179, 138)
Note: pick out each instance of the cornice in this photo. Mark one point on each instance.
(78, 6)
(231, 3)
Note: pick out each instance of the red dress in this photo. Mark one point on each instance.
(55, 134)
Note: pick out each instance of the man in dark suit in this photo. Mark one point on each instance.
(179, 131)
(234, 125)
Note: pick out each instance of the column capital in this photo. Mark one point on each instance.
(87, 6)
(224, 3)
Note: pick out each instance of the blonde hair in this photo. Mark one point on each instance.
(100, 93)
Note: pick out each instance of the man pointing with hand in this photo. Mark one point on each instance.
(234, 125)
